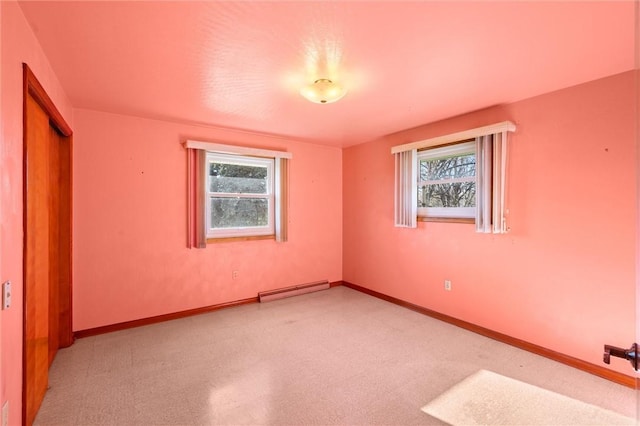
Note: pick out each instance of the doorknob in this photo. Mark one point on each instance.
(630, 354)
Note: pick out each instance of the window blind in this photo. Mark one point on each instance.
(406, 183)
(491, 177)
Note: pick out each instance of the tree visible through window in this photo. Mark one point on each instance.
(447, 181)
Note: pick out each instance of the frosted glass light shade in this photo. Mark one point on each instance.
(323, 91)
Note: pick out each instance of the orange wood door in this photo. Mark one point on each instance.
(61, 249)
(53, 197)
(36, 258)
(47, 240)
(59, 196)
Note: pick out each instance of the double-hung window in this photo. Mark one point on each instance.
(236, 192)
(447, 181)
(240, 196)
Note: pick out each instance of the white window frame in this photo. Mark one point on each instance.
(249, 231)
(452, 150)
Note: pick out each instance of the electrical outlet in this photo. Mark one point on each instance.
(447, 285)
(6, 295)
(5, 414)
(234, 274)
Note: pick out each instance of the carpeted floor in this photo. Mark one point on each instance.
(332, 357)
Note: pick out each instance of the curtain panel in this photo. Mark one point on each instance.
(196, 178)
(282, 198)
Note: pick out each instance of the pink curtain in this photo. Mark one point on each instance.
(196, 169)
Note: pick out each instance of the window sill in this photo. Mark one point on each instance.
(246, 238)
(447, 219)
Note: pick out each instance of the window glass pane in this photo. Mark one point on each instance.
(458, 194)
(448, 168)
(234, 178)
(239, 212)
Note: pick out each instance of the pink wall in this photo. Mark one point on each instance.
(130, 255)
(18, 45)
(564, 277)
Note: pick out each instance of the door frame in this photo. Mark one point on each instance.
(32, 88)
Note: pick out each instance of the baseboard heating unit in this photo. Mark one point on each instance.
(295, 290)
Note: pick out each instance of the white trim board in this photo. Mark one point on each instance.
(238, 150)
(505, 126)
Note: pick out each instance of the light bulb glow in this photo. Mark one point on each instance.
(323, 91)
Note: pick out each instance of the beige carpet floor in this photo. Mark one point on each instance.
(487, 398)
(332, 357)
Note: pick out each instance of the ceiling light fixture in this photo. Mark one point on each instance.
(323, 91)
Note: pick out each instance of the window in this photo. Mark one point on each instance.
(461, 175)
(447, 181)
(235, 192)
(239, 196)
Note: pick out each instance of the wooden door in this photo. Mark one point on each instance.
(36, 260)
(60, 239)
(47, 242)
